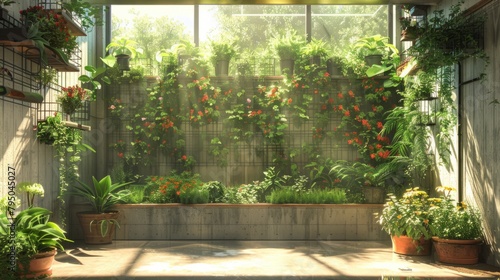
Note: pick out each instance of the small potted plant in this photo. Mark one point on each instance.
(316, 50)
(120, 52)
(287, 47)
(71, 99)
(456, 228)
(99, 224)
(29, 240)
(374, 48)
(407, 221)
(221, 54)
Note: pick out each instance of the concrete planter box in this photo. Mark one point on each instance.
(244, 222)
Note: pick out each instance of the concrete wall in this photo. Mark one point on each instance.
(477, 176)
(19, 148)
(244, 222)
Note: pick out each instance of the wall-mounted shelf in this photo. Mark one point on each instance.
(32, 97)
(29, 50)
(73, 27)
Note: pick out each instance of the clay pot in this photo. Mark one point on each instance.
(405, 245)
(91, 226)
(457, 251)
(40, 265)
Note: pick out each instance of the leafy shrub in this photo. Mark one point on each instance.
(287, 195)
(244, 194)
(136, 194)
(168, 189)
(215, 190)
(196, 195)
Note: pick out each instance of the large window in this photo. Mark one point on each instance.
(253, 26)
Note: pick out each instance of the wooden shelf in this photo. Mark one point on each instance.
(73, 27)
(28, 49)
(32, 97)
(77, 125)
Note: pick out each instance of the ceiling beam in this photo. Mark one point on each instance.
(262, 2)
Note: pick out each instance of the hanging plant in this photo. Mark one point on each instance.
(68, 145)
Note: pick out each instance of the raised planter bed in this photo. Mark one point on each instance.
(244, 222)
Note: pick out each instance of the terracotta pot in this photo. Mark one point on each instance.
(457, 251)
(40, 265)
(91, 226)
(405, 245)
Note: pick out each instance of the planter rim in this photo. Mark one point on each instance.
(254, 205)
(95, 213)
(457, 241)
(44, 254)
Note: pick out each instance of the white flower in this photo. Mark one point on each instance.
(15, 203)
(31, 188)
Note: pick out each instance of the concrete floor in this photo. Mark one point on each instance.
(253, 260)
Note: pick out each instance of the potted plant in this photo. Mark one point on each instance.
(89, 15)
(316, 51)
(287, 47)
(53, 28)
(71, 98)
(374, 48)
(99, 224)
(120, 52)
(221, 54)
(29, 239)
(406, 220)
(334, 63)
(370, 180)
(456, 229)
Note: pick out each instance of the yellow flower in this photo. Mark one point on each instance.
(399, 216)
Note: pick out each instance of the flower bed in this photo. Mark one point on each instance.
(259, 221)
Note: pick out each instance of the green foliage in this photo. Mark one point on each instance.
(215, 190)
(169, 189)
(451, 220)
(315, 47)
(102, 194)
(446, 39)
(288, 45)
(88, 15)
(136, 194)
(288, 195)
(68, 143)
(196, 195)
(32, 231)
(224, 49)
(243, 194)
(92, 79)
(374, 45)
(408, 215)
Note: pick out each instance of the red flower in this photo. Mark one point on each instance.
(330, 100)
(340, 95)
(184, 157)
(351, 93)
(289, 101)
(326, 74)
(372, 156)
(380, 125)
(347, 113)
